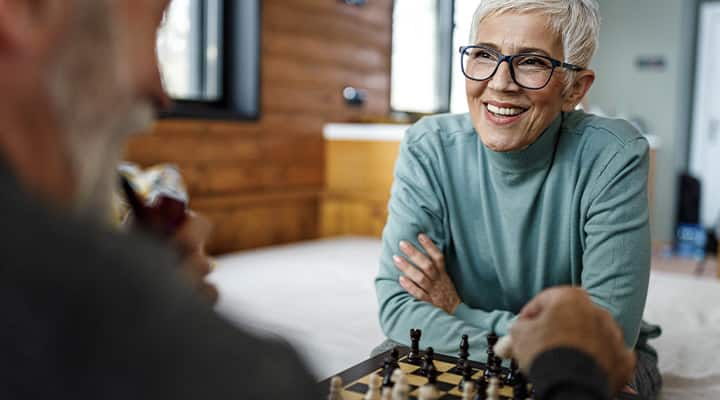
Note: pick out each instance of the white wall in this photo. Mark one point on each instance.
(661, 98)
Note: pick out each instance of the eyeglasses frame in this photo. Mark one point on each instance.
(509, 58)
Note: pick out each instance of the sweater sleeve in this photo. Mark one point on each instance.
(416, 206)
(616, 258)
(568, 374)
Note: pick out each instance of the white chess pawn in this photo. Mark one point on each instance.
(503, 347)
(493, 390)
(396, 374)
(428, 392)
(336, 387)
(468, 390)
(400, 389)
(374, 386)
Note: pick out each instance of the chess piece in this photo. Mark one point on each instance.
(493, 362)
(336, 387)
(464, 353)
(468, 390)
(428, 392)
(394, 358)
(400, 389)
(374, 386)
(503, 347)
(467, 373)
(490, 362)
(427, 360)
(414, 355)
(511, 377)
(481, 386)
(387, 373)
(493, 390)
(431, 374)
(397, 374)
(520, 390)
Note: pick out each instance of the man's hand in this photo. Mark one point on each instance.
(426, 278)
(191, 236)
(566, 317)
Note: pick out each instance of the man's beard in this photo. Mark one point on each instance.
(95, 154)
(96, 110)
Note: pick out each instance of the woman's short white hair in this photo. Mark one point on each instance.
(577, 22)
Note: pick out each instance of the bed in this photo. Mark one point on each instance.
(319, 296)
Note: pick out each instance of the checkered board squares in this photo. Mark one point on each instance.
(447, 382)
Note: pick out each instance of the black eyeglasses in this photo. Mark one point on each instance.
(529, 71)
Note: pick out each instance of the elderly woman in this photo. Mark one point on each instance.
(523, 193)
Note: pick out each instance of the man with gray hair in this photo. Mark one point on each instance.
(90, 313)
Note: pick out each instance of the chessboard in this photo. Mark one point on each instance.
(356, 379)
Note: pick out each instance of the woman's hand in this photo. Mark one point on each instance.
(425, 277)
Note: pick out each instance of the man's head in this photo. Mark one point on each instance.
(80, 76)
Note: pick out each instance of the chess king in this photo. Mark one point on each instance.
(524, 193)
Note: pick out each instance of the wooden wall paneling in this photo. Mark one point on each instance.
(261, 181)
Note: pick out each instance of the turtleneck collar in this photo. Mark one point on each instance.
(533, 157)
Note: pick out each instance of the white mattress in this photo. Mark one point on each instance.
(319, 296)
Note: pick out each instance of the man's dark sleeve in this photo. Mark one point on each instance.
(90, 314)
(568, 374)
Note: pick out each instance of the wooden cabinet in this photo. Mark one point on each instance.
(358, 177)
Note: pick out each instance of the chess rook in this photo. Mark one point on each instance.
(414, 356)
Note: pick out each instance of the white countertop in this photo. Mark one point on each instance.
(395, 133)
(365, 132)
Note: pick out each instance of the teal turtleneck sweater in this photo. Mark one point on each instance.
(569, 209)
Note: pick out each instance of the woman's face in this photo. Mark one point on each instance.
(506, 116)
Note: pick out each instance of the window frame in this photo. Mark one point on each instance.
(240, 67)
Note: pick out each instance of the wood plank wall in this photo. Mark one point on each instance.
(260, 182)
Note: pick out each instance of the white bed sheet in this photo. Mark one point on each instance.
(319, 295)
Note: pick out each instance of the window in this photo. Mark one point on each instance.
(189, 50)
(209, 56)
(420, 51)
(464, 10)
(426, 76)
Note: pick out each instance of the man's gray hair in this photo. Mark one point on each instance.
(577, 22)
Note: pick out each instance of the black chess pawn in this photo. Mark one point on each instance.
(481, 386)
(427, 361)
(431, 374)
(430, 354)
(395, 355)
(467, 373)
(414, 355)
(387, 373)
(392, 359)
(464, 353)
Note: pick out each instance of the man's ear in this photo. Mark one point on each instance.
(574, 94)
(27, 23)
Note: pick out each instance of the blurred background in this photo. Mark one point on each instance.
(288, 112)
